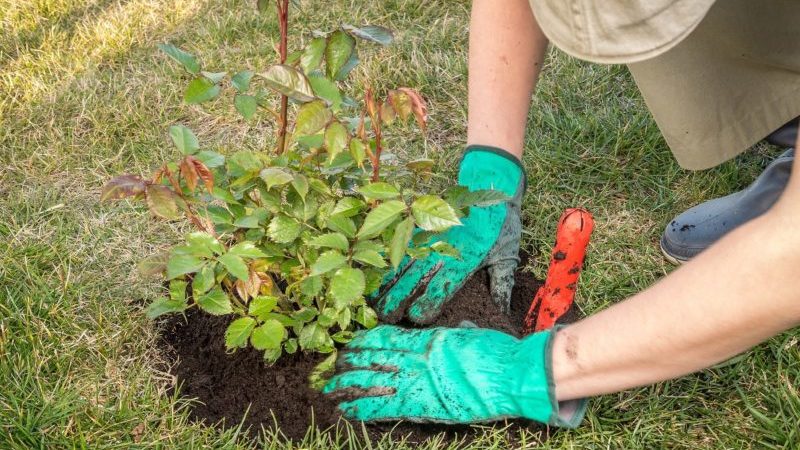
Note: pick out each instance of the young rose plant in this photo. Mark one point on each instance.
(291, 241)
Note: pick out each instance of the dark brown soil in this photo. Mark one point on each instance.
(227, 386)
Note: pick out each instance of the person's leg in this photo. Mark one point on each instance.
(696, 229)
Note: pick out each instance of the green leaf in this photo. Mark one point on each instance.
(312, 54)
(283, 229)
(235, 266)
(348, 207)
(369, 245)
(311, 118)
(421, 165)
(419, 252)
(379, 191)
(366, 316)
(380, 218)
(305, 315)
(372, 33)
(247, 250)
(423, 237)
(162, 202)
(153, 265)
(343, 337)
(358, 151)
(326, 90)
(446, 249)
(204, 244)
(182, 264)
(290, 346)
(200, 90)
(123, 186)
(402, 234)
(164, 306)
(241, 81)
(341, 224)
(312, 141)
(337, 53)
(311, 286)
(335, 139)
(247, 105)
(203, 280)
(238, 332)
(188, 60)
(300, 185)
(347, 286)
(314, 337)
(327, 261)
(323, 371)
(331, 240)
(210, 159)
(184, 139)
(215, 302)
(253, 219)
(348, 67)
(268, 336)
(214, 77)
(261, 306)
(177, 290)
(289, 81)
(370, 257)
(275, 176)
(434, 214)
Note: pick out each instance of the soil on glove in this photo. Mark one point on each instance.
(227, 386)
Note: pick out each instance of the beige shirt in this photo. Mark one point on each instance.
(723, 86)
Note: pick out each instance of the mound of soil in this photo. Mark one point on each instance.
(228, 385)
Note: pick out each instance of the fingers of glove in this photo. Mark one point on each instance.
(501, 282)
(391, 304)
(378, 360)
(389, 337)
(441, 288)
(362, 383)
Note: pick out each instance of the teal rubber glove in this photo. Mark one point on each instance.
(489, 238)
(449, 375)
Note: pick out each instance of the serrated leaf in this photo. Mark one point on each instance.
(290, 346)
(304, 315)
(210, 159)
(204, 244)
(311, 286)
(331, 240)
(341, 224)
(247, 105)
(178, 265)
(289, 81)
(369, 245)
(335, 139)
(326, 90)
(367, 317)
(162, 201)
(153, 265)
(261, 306)
(444, 248)
(327, 261)
(241, 81)
(268, 336)
(372, 33)
(312, 54)
(348, 67)
(358, 151)
(275, 176)
(419, 252)
(370, 257)
(214, 77)
(402, 234)
(215, 302)
(235, 266)
(434, 214)
(203, 280)
(313, 141)
(184, 139)
(238, 332)
(348, 207)
(252, 220)
(247, 250)
(379, 191)
(123, 186)
(300, 185)
(200, 90)
(312, 117)
(187, 60)
(283, 229)
(177, 290)
(347, 285)
(164, 306)
(337, 52)
(380, 218)
(314, 337)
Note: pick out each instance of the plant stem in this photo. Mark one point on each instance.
(283, 21)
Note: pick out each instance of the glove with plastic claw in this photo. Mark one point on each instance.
(449, 375)
(489, 238)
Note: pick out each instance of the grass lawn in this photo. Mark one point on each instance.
(85, 95)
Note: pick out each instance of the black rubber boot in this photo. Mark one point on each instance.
(696, 229)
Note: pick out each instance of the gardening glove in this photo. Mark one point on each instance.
(489, 238)
(449, 375)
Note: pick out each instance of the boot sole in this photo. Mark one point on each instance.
(671, 258)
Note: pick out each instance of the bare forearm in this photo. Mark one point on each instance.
(741, 291)
(506, 49)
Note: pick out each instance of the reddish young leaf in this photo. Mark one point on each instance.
(388, 113)
(189, 173)
(372, 107)
(418, 106)
(123, 186)
(401, 103)
(204, 173)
